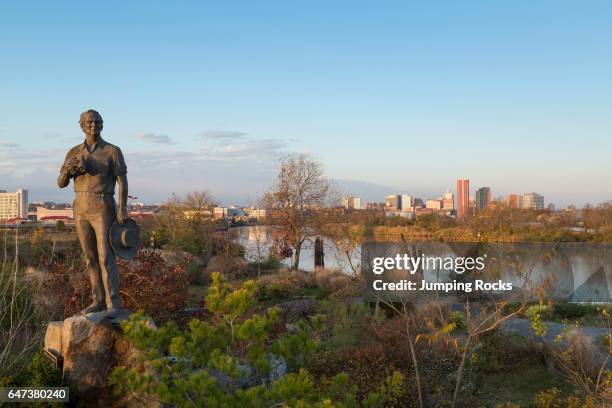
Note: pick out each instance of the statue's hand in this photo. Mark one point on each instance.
(76, 166)
(71, 166)
(122, 215)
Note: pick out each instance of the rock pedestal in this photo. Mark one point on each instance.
(90, 346)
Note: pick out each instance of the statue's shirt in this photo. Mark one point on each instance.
(103, 164)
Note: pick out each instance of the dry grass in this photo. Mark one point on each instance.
(331, 280)
(20, 327)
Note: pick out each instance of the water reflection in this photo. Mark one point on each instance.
(578, 272)
(259, 239)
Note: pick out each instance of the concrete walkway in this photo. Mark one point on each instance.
(523, 327)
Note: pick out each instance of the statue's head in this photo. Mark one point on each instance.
(91, 122)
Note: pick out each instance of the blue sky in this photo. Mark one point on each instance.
(390, 96)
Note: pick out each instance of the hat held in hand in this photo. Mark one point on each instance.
(125, 238)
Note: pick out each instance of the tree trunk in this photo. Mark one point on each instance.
(296, 257)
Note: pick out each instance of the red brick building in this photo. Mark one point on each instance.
(463, 197)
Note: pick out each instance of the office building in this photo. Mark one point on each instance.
(256, 213)
(448, 201)
(513, 201)
(351, 202)
(463, 197)
(434, 204)
(483, 197)
(393, 202)
(533, 201)
(14, 205)
(43, 213)
(407, 202)
(219, 213)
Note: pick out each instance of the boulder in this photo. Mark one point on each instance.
(294, 310)
(90, 346)
(249, 376)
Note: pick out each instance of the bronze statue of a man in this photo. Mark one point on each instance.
(96, 165)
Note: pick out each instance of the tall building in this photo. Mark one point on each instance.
(483, 197)
(407, 202)
(14, 205)
(448, 202)
(463, 197)
(351, 202)
(434, 204)
(513, 201)
(393, 202)
(533, 201)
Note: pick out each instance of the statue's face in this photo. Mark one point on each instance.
(91, 124)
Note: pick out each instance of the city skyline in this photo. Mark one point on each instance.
(398, 202)
(382, 193)
(400, 97)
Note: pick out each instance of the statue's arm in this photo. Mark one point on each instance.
(122, 213)
(64, 177)
(120, 171)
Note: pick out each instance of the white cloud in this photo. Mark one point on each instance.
(73, 139)
(222, 135)
(154, 138)
(230, 164)
(8, 145)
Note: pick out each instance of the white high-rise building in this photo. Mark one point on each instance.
(407, 202)
(14, 205)
(351, 202)
(533, 201)
(434, 204)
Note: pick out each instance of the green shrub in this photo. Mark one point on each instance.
(537, 309)
(42, 372)
(185, 366)
(552, 398)
(572, 311)
(511, 307)
(457, 318)
(280, 287)
(537, 313)
(271, 263)
(346, 323)
(487, 357)
(366, 366)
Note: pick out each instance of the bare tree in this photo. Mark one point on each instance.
(171, 215)
(300, 192)
(199, 200)
(187, 221)
(347, 240)
(261, 245)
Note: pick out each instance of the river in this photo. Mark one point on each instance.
(577, 271)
